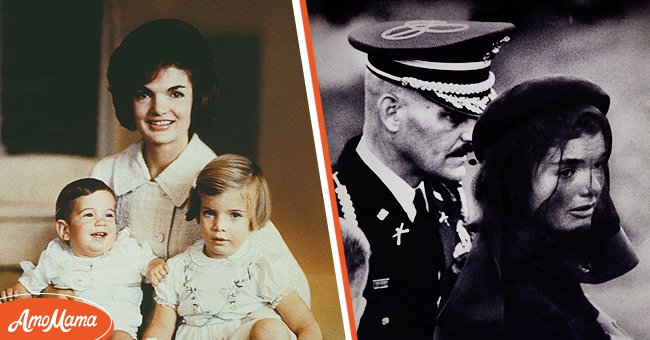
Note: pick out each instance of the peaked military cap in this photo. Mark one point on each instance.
(446, 61)
(529, 99)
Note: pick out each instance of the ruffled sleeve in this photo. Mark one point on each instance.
(269, 239)
(36, 278)
(277, 278)
(168, 291)
(146, 256)
(139, 254)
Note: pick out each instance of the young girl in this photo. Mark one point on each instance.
(92, 259)
(227, 285)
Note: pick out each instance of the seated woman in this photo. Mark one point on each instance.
(163, 82)
(548, 222)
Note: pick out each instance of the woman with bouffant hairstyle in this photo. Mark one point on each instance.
(548, 222)
(163, 81)
(153, 47)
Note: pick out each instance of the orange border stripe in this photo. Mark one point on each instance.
(321, 123)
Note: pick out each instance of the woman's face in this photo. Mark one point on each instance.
(163, 108)
(571, 182)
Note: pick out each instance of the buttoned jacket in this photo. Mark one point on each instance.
(406, 263)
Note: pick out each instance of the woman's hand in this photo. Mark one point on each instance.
(157, 271)
(15, 292)
(65, 294)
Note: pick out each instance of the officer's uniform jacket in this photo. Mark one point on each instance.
(406, 264)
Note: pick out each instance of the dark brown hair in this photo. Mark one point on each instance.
(154, 47)
(504, 183)
(74, 190)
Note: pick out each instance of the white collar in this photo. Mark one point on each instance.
(402, 191)
(176, 180)
(198, 256)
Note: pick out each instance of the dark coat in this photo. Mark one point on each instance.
(541, 305)
(404, 286)
(541, 300)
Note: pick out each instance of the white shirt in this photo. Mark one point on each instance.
(112, 280)
(402, 191)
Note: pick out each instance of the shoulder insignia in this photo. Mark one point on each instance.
(345, 200)
(383, 213)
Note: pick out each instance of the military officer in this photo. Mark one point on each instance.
(426, 82)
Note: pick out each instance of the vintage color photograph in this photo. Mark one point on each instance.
(525, 122)
(142, 96)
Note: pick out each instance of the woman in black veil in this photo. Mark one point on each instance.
(548, 222)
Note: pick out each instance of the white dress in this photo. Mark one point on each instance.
(112, 280)
(222, 298)
(155, 210)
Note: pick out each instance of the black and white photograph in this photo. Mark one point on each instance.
(488, 161)
(157, 159)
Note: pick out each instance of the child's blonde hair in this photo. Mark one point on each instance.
(230, 171)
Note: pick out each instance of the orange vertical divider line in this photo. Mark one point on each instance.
(330, 182)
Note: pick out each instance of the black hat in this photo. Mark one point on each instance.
(447, 61)
(530, 99)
